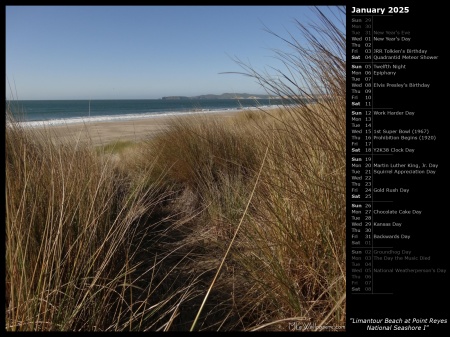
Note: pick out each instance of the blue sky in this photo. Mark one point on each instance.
(78, 52)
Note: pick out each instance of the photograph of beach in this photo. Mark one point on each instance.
(175, 168)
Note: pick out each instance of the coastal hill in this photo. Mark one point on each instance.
(222, 96)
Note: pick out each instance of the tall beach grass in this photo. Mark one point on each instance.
(287, 263)
(78, 230)
(218, 223)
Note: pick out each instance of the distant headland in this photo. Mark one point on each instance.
(222, 96)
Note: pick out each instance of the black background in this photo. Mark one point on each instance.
(413, 295)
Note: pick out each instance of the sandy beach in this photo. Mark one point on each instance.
(102, 133)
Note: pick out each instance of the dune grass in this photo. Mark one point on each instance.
(116, 147)
(75, 229)
(288, 252)
(230, 224)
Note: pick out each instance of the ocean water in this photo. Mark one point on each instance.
(32, 113)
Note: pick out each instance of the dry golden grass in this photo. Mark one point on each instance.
(291, 245)
(76, 219)
(78, 232)
(230, 224)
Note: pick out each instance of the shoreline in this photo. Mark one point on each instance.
(124, 129)
(134, 116)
